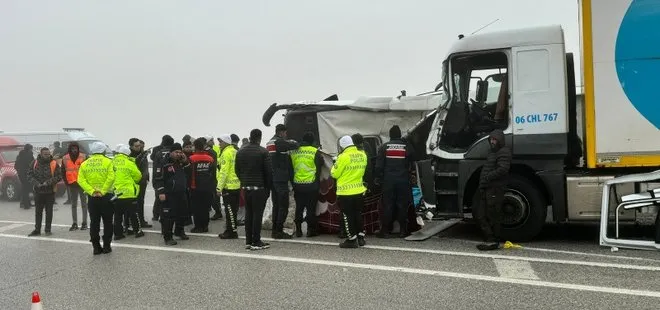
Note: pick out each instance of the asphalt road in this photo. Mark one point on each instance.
(564, 268)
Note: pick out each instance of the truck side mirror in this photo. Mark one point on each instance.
(482, 92)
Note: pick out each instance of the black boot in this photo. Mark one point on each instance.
(228, 235)
(34, 233)
(488, 246)
(97, 248)
(361, 241)
(349, 244)
(106, 248)
(83, 226)
(182, 235)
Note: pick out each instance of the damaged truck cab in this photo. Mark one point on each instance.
(515, 81)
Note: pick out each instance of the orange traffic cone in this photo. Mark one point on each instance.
(36, 302)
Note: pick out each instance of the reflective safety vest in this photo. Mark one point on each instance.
(227, 178)
(304, 165)
(127, 177)
(96, 174)
(71, 167)
(349, 170)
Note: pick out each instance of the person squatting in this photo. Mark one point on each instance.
(191, 180)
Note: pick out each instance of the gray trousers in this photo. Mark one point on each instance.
(76, 192)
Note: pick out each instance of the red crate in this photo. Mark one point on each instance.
(329, 221)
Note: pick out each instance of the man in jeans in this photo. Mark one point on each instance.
(254, 171)
(70, 166)
(43, 176)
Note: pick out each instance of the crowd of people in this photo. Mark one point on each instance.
(193, 178)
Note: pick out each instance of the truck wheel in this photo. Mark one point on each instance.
(10, 190)
(523, 211)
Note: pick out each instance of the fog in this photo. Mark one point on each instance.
(141, 68)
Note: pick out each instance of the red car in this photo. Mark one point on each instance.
(10, 185)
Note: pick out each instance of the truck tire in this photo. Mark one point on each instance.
(11, 190)
(524, 210)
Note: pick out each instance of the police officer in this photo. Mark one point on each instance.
(202, 185)
(348, 171)
(278, 148)
(393, 172)
(157, 156)
(229, 186)
(307, 164)
(171, 187)
(96, 177)
(127, 189)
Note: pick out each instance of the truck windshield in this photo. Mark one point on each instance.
(9, 155)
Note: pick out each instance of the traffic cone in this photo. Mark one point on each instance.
(36, 302)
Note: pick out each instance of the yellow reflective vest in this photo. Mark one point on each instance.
(349, 170)
(304, 164)
(96, 174)
(227, 178)
(127, 177)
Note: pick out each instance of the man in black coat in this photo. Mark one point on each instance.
(137, 152)
(278, 148)
(254, 170)
(492, 184)
(43, 176)
(157, 156)
(22, 165)
(171, 184)
(393, 165)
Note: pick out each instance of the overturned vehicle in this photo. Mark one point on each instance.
(372, 117)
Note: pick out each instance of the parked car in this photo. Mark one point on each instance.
(10, 185)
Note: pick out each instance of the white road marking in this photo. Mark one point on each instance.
(455, 275)
(515, 269)
(436, 252)
(10, 227)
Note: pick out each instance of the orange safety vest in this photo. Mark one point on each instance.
(72, 167)
(53, 166)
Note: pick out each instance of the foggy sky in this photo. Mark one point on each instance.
(145, 68)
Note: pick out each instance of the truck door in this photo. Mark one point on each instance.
(539, 100)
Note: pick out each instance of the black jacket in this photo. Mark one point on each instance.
(40, 176)
(253, 167)
(172, 178)
(143, 165)
(495, 172)
(203, 171)
(279, 149)
(158, 155)
(23, 163)
(393, 161)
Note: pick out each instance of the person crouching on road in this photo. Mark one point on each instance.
(127, 189)
(348, 171)
(255, 174)
(44, 174)
(171, 186)
(307, 164)
(202, 185)
(96, 177)
(229, 187)
(492, 183)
